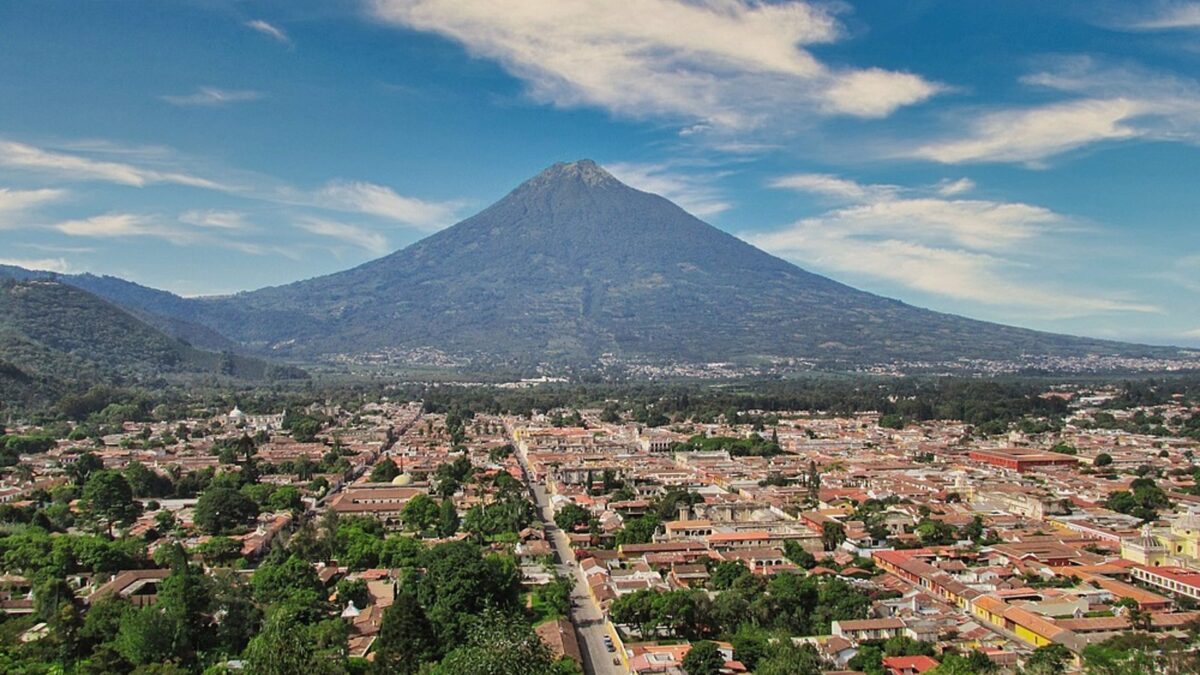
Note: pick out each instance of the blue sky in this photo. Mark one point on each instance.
(1031, 163)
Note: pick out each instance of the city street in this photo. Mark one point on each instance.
(585, 615)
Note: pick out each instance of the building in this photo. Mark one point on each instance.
(908, 665)
(1021, 460)
(868, 629)
(1174, 580)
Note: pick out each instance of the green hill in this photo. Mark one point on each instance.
(55, 337)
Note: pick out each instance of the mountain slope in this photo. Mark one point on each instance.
(574, 264)
(53, 335)
(160, 309)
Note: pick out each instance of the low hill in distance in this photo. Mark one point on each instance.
(55, 337)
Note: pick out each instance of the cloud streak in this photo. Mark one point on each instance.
(114, 225)
(1169, 16)
(963, 249)
(14, 202)
(59, 265)
(159, 167)
(384, 202)
(211, 97)
(270, 30)
(354, 235)
(1108, 104)
(79, 167)
(729, 64)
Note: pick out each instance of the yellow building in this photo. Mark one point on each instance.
(1178, 546)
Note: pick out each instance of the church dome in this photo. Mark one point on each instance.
(403, 479)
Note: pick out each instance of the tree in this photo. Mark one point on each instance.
(787, 658)
(145, 482)
(796, 553)
(974, 529)
(1139, 619)
(277, 581)
(638, 530)
(222, 510)
(751, 644)
(108, 499)
(902, 645)
(1102, 459)
(385, 471)
(176, 627)
(406, 638)
(556, 595)
(571, 516)
(953, 664)
(813, 481)
(459, 583)
(447, 525)
(726, 573)
(1048, 660)
(498, 643)
(241, 618)
(353, 590)
(220, 550)
(1119, 656)
(704, 658)
(304, 429)
(935, 532)
(420, 513)
(286, 498)
(833, 534)
(85, 465)
(287, 645)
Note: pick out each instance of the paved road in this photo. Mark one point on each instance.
(589, 622)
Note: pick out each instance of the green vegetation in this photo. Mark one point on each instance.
(1143, 500)
(54, 336)
(791, 603)
(755, 445)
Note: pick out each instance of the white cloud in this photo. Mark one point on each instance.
(875, 92)
(220, 229)
(378, 200)
(966, 249)
(13, 202)
(345, 232)
(270, 30)
(887, 210)
(952, 273)
(1110, 104)
(1184, 272)
(727, 64)
(691, 192)
(221, 220)
(831, 186)
(1037, 133)
(115, 225)
(212, 97)
(949, 188)
(1169, 16)
(59, 265)
(78, 167)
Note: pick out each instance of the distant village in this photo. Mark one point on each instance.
(924, 541)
